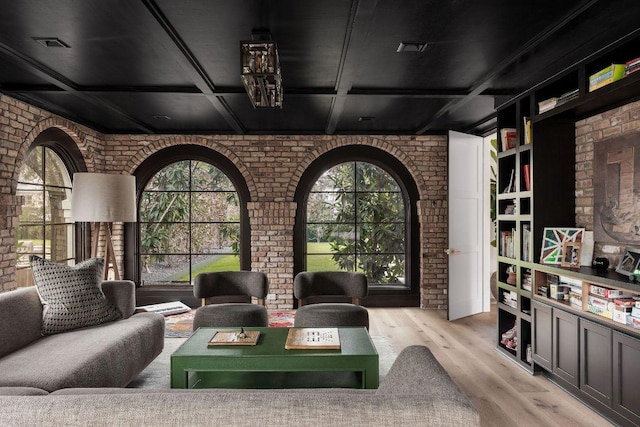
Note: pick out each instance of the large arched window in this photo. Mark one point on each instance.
(357, 213)
(191, 217)
(45, 226)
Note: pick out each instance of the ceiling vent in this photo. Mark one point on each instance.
(412, 47)
(366, 119)
(51, 42)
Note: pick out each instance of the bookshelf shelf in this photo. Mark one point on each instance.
(546, 324)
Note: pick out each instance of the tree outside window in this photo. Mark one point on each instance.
(356, 222)
(45, 228)
(189, 223)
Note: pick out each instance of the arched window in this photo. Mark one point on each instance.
(357, 213)
(191, 219)
(44, 183)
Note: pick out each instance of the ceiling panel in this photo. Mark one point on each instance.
(299, 114)
(393, 114)
(111, 43)
(171, 111)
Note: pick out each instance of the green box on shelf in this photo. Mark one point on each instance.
(608, 75)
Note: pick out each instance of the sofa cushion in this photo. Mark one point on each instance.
(71, 295)
(20, 319)
(107, 355)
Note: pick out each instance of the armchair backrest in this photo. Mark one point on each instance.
(231, 283)
(330, 283)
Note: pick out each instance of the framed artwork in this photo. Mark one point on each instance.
(553, 240)
(629, 262)
(571, 252)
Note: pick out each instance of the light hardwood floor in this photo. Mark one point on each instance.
(503, 393)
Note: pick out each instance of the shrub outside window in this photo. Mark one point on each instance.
(356, 221)
(45, 228)
(189, 223)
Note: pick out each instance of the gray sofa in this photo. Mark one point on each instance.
(108, 355)
(416, 392)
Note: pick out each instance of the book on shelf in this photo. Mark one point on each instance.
(313, 339)
(568, 96)
(526, 173)
(239, 337)
(528, 137)
(632, 66)
(612, 73)
(507, 247)
(510, 187)
(526, 243)
(547, 104)
(508, 138)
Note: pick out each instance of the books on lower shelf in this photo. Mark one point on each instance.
(313, 339)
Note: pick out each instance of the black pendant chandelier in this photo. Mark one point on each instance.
(260, 68)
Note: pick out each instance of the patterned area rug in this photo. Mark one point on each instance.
(179, 325)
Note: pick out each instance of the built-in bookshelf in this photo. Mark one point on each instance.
(561, 327)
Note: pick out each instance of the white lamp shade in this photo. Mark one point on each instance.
(103, 197)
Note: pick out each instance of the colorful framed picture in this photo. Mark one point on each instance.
(629, 262)
(571, 252)
(553, 240)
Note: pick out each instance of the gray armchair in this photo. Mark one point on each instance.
(226, 299)
(307, 285)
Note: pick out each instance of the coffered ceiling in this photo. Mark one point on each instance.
(167, 66)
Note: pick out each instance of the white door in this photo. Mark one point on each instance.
(465, 225)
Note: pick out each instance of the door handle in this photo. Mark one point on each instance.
(450, 251)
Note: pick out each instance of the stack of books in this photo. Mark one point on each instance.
(574, 288)
(633, 318)
(602, 300)
(506, 244)
(508, 138)
(632, 66)
(612, 73)
(551, 103)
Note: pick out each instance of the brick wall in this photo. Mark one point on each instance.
(271, 167)
(594, 130)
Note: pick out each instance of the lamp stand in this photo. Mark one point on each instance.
(109, 252)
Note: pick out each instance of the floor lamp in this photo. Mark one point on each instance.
(103, 199)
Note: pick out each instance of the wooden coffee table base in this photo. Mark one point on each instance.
(269, 365)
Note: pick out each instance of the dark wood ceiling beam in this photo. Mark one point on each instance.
(190, 64)
(360, 18)
(483, 83)
(223, 91)
(66, 85)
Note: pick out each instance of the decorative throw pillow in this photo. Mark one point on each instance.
(71, 295)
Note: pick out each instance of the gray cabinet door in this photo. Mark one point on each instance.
(566, 349)
(542, 338)
(626, 376)
(595, 361)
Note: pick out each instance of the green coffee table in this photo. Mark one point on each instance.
(269, 365)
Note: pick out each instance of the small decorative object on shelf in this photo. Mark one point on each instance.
(571, 254)
(511, 275)
(629, 262)
(600, 264)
